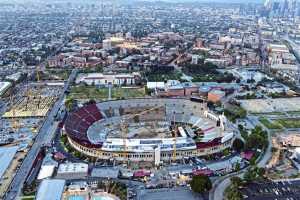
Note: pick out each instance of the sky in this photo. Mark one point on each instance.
(223, 1)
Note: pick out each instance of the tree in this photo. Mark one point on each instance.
(70, 103)
(136, 119)
(226, 152)
(91, 101)
(234, 194)
(237, 166)
(258, 139)
(238, 145)
(254, 174)
(236, 181)
(201, 184)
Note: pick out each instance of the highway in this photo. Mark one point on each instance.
(44, 136)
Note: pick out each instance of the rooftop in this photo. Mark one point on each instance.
(50, 189)
(6, 156)
(72, 168)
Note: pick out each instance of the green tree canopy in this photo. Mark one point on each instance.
(201, 184)
(238, 145)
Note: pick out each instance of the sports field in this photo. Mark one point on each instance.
(91, 92)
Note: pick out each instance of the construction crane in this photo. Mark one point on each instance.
(175, 141)
(124, 127)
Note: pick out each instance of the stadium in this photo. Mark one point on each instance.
(151, 130)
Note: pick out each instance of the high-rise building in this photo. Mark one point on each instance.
(280, 8)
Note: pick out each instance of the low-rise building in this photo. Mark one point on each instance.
(47, 168)
(50, 189)
(215, 95)
(72, 171)
(105, 79)
(4, 86)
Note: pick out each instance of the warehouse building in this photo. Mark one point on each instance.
(72, 171)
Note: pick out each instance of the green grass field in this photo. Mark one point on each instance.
(269, 124)
(289, 123)
(269, 113)
(91, 92)
(58, 74)
(294, 112)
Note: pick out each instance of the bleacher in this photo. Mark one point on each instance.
(203, 145)
(78, 122)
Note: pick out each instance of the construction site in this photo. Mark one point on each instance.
(147, 130)
(36, 102)
(23, 117)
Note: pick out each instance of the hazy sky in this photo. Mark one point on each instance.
(223, 1)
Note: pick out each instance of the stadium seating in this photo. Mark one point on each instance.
(78, 122)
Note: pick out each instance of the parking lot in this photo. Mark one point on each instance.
(178, 193)
(271, 105)
(280, 190)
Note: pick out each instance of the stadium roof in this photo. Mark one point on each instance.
(50, 189)
(6, 156)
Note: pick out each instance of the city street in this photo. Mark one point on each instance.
(44, 136)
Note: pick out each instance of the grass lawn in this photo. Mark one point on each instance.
(269, 113)
(28, 198)
(91, 92)
(162, 77)
(289, 123)
(59, 74)
(268, 124)
(294, 112)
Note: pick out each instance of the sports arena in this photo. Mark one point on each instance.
(154, 130)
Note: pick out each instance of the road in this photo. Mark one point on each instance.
(44, 136)
(219, 186)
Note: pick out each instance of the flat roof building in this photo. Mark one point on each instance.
(6, 156)
(72, 170)
(50, 189)
(4, 86)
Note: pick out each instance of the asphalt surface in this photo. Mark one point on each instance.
(179, 193)
(219, 186)
(44, 136)
(283, 189)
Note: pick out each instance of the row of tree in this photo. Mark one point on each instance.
(254, 173)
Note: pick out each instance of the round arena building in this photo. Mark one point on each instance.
(154, 130)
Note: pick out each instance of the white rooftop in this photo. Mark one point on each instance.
(153, 85)
(50, 189)
(6, 156)
(4, 86)
(72, 168)
(46, 171)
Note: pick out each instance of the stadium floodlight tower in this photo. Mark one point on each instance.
(109, 90)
